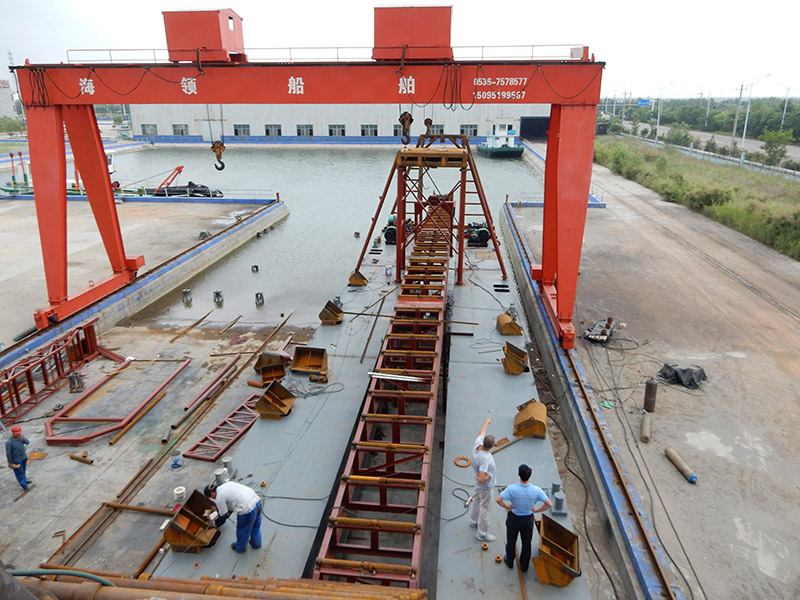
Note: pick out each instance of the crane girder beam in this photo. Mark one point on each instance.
(59, 94)
(509, 82)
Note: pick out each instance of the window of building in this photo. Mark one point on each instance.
(437, 130)
(272, 130)
(149, 129)
(180, 129)
(241, 129)
(369, 130)
(469, 130)
(305, 130)
(335, 129)
(397, 130)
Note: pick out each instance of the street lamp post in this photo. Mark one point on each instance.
(736, 118)
(658, 118)
(747, 114)
(785, 106)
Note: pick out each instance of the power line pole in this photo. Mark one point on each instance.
(736, 118)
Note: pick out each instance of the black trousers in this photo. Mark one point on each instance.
(524, 527)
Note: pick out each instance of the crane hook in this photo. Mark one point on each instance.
(218, 148)
(405, 120)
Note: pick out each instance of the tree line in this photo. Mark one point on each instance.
(718, 116)
(774, 121)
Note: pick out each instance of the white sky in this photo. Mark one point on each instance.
(677, 48)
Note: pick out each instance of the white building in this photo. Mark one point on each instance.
(7, 99)
(322, 123)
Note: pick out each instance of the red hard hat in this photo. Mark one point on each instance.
(16, 429)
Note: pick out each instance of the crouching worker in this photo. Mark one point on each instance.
(231, 497)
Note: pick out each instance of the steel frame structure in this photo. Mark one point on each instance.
(20, 389)
(379, 508)
(411, 166)
(226, 432)
(59, 95)
(64, 416)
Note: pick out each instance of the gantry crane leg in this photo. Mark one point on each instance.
(46, 141)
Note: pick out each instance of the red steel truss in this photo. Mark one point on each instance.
(376, 524)
(33, 379)
(64, 417)
(412, 64)
(231, 428)
(465, 200)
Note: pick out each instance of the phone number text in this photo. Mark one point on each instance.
(500, 95)
(500, 81)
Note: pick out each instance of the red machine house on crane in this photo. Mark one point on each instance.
(412, 62)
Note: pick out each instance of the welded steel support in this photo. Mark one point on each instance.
(113, 423)
(20, 389)
(400, 223)
(375, 528)
(462, 242)
(224, 434)
(568, 171)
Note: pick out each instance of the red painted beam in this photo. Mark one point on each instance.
(507, 82)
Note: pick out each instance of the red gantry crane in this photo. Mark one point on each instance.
(412, 62)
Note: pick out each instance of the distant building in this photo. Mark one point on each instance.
(321, 123)
(7, 99)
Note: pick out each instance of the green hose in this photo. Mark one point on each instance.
(28, 572)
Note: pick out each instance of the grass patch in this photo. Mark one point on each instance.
(8, 147)
(762, 206)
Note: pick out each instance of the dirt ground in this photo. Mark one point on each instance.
(688, 291)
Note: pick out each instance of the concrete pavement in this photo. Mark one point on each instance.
(692, 292)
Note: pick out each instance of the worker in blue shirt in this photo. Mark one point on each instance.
(520, 499)
(16, 456)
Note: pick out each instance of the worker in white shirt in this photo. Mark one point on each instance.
(231, 497)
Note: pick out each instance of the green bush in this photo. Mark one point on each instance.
(763, 206)
(678, 135)
(700, 198)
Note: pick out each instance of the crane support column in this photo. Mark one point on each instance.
(46, 141)
(568, 171)
(49, 171)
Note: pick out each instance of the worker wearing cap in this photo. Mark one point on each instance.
(16, 456)
(231, 497)
(521, 498)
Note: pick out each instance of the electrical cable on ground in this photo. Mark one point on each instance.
(626, 428)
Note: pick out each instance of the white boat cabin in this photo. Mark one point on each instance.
(504, 134)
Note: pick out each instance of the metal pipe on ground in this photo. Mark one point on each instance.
(646, 429)
(259, 585)
(135, 420)
(681, 465)
(95, 591)
(145, 509)
(214, 381)
(82, 459)
(214, 389)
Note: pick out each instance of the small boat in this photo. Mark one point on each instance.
(191, 190)
(502, 143)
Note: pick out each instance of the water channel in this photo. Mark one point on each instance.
(332, 193)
